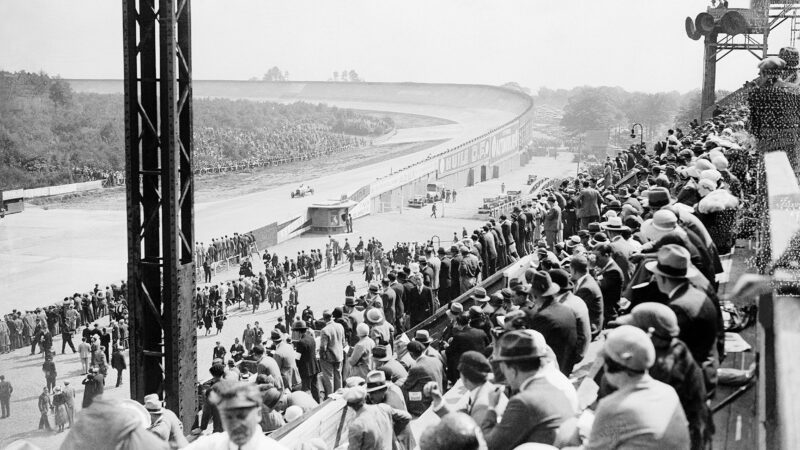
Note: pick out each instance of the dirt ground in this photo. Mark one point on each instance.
(228, 185)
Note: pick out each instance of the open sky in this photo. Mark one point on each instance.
(636, 44)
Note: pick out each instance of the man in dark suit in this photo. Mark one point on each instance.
(308, 364)
(621, 247)
(555, 321)
(464, 340)
(420, 301)
(588, 290)
(697, 316)
(490, 249)
(399, 299)
(522, 231)
(444, 277)
(588, 203)
(424, 369)
(455, 264)
(610, 279)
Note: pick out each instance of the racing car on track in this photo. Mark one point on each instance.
(302, 191)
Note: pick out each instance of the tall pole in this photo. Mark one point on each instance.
(160, 202)
(709, 73)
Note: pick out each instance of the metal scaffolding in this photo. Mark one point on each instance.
(160, 202)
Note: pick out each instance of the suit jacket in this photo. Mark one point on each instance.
(331, 343)
(589, 291)
(307, 347)
(465, 340)
(697, 318)
(284, 356)
(622, 253)
(582, 323)
(588, 203)
(424, 369)
(557, 324)
(400, 298)
(490, 248)
(268, 366)
(610, 279)
(391, 307)
(420, 304)
(394, 371)
(552, 219)
(444, 276)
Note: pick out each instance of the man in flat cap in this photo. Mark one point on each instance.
(239, 405)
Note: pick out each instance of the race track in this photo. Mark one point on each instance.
(48, 254)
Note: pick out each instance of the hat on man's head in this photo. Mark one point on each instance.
(423, 337)
(455, 309)
(479, 295)
(673, 261)
(520, 345)
(584, 234)
(228, 394)
(663, 222)
(613, 224)
(275, 335)
(630, 347)
(362, 330)
(622, 192)
(381, 353)
(542, 284)
(561, 278)
(474, 363)
(354, 381)
(300, 325)
(271, 397)
(373, 287)
(415, 347)
(517, 286)
(349, 301)
(597, 239)
(594, 227)
(653, 316)
(376, 380)
(153, 404)
(374, 316)
(354, 394)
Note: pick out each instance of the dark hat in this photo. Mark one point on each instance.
(622, 192)
(349, 301)
(474, 363)
(381, 353)
(561, 278)
(658, 197)
(440, 251)
(598, 238)
(423, 337)
(275, 335)
(673, 261)
(543, 285)
(594, 227)
(475, 312)
(422, 260)
(300, 325)
(517, 286)
(584, 233)
(479, 295)
(271, 397)
(520, 345)
(415, 347)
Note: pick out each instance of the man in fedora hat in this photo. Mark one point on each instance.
(385, 361)
(697, 315)
(609, 277)
(420, 301)
(578, 307)
(553, 320)
(628, 354)
(308, 364)
(588, 203)
(467, 339)
(239, 405)
(284, 356)
(538, 409)
(621, 247)
(381, 390)
(425, 368)
(373, 425)
(164, 423)
(331, 353)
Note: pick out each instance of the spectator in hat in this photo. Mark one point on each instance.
(385, 361)
(331, 353)
(284, 356)
(380, 330)
(308, 366)
(620, 246)
(696, 313)
(382, 391)
(118, 363)
(420, 304)
(467, 339)
(474, 370)
(425, 368)
(565, 296)
(164, 423)
(271, 417)
(610, 279)
(627, 418)
(552, 223)
(588, 203)
(267, 365)
(456, 431)
(239, 404)
(469, 269)
(452, 314)
(392, 309)
(553, 320)
(360, 361)
(675, 366)
(373, 425)
(538, 409)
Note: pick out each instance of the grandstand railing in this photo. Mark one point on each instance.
(779, 311)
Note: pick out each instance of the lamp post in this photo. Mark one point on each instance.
(580, 155)
(641, 133)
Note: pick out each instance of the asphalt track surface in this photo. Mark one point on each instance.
(46, 254)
